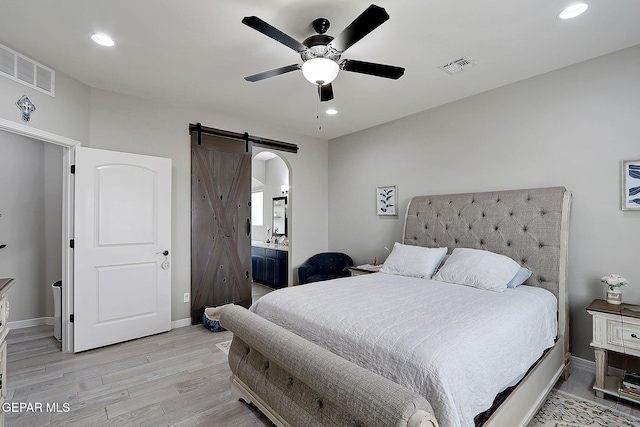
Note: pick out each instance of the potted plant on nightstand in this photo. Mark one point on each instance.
(614, 282)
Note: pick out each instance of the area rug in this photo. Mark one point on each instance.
(562, 409)
(224, 346)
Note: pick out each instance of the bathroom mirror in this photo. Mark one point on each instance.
(279, 226)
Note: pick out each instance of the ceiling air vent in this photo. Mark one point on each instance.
(23, 70)
(457, 65)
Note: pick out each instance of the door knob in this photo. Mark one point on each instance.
(165, 264)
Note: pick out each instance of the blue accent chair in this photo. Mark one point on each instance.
(325, 266)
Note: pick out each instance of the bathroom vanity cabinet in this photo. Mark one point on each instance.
(270, 266)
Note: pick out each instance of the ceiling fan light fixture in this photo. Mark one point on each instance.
(573, 10)
(320, 71)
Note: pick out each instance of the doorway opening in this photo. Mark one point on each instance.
(30, 226)
(271, 229)
(59, 152)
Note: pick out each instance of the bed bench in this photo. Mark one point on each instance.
(317, 387)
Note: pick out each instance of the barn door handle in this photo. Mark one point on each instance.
(248, 226)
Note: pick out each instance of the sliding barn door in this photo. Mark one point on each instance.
(220, 222)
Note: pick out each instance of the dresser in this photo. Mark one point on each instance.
(615, 328)
(5, 284)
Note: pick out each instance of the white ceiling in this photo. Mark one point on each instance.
(195, 53)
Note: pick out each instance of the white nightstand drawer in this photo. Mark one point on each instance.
(623, 334)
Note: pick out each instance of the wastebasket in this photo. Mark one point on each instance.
(57, 309)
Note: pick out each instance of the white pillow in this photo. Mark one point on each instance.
(478, 268)
(413, 261)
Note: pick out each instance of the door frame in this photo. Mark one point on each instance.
(68, 158)
(291, 280)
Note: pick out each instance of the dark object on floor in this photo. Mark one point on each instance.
(211, 318)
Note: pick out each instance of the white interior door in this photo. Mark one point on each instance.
(122, 226)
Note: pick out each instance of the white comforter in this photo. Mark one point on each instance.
(455, 345)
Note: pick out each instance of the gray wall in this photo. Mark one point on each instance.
(570, 127)
(111, 121)
(277, 173)
(52, 219)
(273, 173)
(31, 223)
(124, 123)
(67, 114)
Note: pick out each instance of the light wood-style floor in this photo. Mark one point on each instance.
(258, 290)
(580, 383)
(179, 378)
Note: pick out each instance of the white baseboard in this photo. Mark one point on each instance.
(589, 366)
(181, 323)
(582, 364)
(19, 324)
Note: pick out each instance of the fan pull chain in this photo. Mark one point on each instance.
(318, 111)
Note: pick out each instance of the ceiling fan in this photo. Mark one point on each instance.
(321, 53)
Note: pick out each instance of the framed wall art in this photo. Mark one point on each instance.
(386, 198)
(631, 185)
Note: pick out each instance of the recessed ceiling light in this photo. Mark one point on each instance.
(102, 39)
(573, 10)
(332, 111)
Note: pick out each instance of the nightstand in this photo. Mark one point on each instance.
(615, 328)
(364, 269)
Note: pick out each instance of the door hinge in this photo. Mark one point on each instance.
(73, 169)
(71, 318)
(72, 243)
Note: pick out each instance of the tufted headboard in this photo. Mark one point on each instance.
(530, 226)
(525, 225)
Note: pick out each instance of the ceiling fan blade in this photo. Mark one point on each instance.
(380, 70)
(272, 73)
(325, 92)
(368, 21)
(271, 31)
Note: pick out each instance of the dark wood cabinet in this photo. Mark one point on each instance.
(282, 269)
(270, 266)
(257, 264)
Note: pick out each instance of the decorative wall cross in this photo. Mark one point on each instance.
(26, 106)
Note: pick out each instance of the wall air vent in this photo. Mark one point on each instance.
(23, 70)
(457, 65)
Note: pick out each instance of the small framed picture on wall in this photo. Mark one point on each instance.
(386, 198)
(631, 185)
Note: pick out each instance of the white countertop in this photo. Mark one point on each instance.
(259, 244)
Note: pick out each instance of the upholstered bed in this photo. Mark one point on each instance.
(321, 375)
